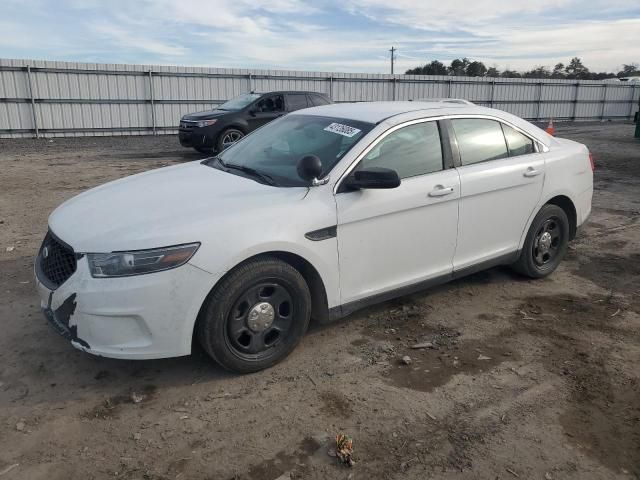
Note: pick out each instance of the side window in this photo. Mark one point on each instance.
(317, 100)
(273, 103)
(297, 101)
(518, 143)
(479, 140)
(410, 151)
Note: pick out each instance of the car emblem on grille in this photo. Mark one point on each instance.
(45, 252)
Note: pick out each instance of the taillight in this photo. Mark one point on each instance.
(593, 163)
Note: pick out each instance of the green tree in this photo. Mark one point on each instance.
(558, 71)
(458, 67)
(476, 69)
(576, 69)
(510, 74)
(493, 72)
(629, 70)
(538, 72)
(433, 68)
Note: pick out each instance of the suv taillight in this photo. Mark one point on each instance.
(593, 163)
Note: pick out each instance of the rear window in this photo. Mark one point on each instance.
(297, 101)
(518, 143)
(318, 100)
(479, 140)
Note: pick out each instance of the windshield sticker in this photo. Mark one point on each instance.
(341, 129)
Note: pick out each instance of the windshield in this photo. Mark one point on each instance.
(275, 149)
(240, 102)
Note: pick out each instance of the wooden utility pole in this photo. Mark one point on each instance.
(393, 50)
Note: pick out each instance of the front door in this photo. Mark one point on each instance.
(389, 239)
(265, 110)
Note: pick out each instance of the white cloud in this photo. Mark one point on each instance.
(335, 35)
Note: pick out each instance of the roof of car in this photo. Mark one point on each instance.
(289, 91)
(375, 112)
(396, 112)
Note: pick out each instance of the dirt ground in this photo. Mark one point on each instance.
(523, 379)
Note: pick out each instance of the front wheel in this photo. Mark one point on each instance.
(256, 316)
(546, 243)
(228, 138)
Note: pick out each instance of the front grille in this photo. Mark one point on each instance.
(187, 125)
(56, 261)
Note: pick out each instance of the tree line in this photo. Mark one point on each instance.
(575, 69)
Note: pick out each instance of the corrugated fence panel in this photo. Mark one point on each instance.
(78, 99)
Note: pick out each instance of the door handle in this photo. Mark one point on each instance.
(532, 172)
(441, 191)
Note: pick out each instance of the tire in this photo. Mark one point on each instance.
(233, 326)
(537, 260)
(228, 137)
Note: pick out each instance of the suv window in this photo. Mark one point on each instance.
(479, 140)
(410, 151)
(297, 101)
(273, 103)
(317, 100)
(518, 143)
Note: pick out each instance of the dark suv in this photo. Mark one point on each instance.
(220, 128)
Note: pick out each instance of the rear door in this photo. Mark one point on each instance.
(296, 101)
(501, 179)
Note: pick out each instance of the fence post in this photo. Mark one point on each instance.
(393, 88)
(331, 87)
(449, 90)
(33, 103)
(250, 80)
(575, 102)
(604, 101)
(153, 107)
(493, 88)
(539, 102)
(633, 97)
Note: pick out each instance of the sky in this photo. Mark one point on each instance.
(323, 35)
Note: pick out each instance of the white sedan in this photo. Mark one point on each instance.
(319, 213)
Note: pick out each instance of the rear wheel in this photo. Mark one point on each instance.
(546, 243)
(228, 137)
(256, 316)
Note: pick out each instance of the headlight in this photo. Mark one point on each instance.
(206, 123)
(138, 262)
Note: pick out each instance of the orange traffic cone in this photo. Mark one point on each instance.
(550, 130)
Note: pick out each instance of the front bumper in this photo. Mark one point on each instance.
(196, 137)
(137, 317)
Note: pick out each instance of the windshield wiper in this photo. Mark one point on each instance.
(265, 177)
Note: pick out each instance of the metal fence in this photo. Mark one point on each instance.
(43, 98)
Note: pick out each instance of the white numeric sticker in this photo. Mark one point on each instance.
(341, 129)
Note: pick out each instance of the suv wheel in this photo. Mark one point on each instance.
(546, 243)
(228, 137)
(256, 316)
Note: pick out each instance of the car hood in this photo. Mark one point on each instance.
(206, 115)
(163, 207)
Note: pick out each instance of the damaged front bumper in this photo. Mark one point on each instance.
(137, 317)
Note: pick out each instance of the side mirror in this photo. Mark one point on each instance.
(252, 112)
(309, 168)
(374, 177)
